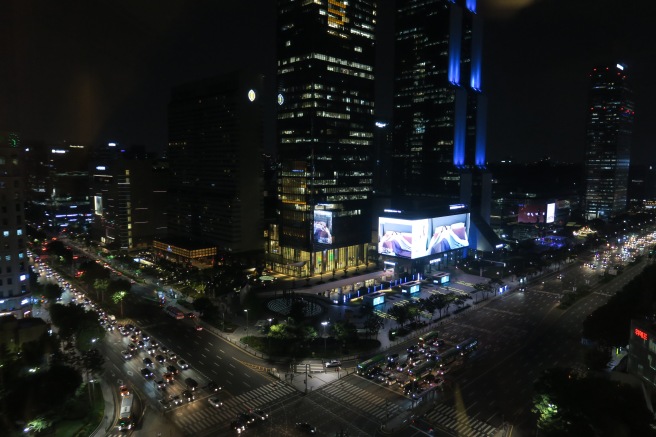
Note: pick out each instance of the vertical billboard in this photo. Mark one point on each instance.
(551, 212)
(97, 205)
(323, 227)
(412, 239)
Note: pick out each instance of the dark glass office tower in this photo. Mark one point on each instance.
(325, 134)
(439, 110)
(608, 142)
(215, 157)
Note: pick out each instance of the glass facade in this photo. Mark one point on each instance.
(608, 142)
(439, 111)
(325, 130)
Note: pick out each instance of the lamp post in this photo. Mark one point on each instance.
(246, 311)
(269, 335)
(324, 336)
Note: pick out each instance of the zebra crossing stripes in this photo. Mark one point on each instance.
(208, 416)
(447, 417)
(362, 399)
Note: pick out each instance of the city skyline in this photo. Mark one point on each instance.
(96, 73)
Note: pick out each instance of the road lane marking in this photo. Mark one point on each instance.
(221, 350)
(229, 373)
(203, 355)
(201, 362)
(232, 365)
(247, 375)
(207, 349)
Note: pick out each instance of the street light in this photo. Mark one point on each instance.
(246, 311)
(269, 335)
(324, 336)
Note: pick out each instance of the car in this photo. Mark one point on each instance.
(150, 350)
(145, 337)
(212, 386)
(183, 364)
(172, 357)
(125, 390)
(374, 372)
(260, 414)
(161, 384)
(172, 369)
(215, 402)
(246, 418)
(168, 377)
(165, 403)
(136, 331)
(148, 362)
(141, 344)
(403, 366)
(392, 379)
(238, 426)
(132, 347)
(160, 359)
(188, 395)
(164, 350)
(134, 338)
(146, 373)
(153, 343)
(126, 355)
(176, 400)
(198, 328)
(191, 384)
(333, 363)
(393, 358)
(413, 348)
(306, 428)
(191, 315)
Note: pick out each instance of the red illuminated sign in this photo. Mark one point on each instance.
(640, 334)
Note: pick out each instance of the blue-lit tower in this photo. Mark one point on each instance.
(608, 142)
(439, 109)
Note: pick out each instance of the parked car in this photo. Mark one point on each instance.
(334, 363)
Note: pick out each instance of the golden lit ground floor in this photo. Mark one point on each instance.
(300, 263)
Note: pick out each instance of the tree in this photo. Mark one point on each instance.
(399, 313)
(309, 333)
(93, 361)
(52, 292)
(483, 287)
(440, 302)
(101, 285)
(373, 324)
(202, 304)
(344, 331)
(118, 297)
(279, 331)
(67, 318)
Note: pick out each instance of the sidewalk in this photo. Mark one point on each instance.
(110, 410)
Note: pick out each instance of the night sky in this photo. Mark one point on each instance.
(99, 71)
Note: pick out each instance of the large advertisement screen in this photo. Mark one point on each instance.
(418, 238)
(323, 227)
(551, 212)
(537, 213)
(97, 205)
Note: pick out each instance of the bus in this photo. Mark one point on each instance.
(419, 372)
(447, 357)
(467, 346)
(364, 367)
(427, 340)
(125, 417)
(174, 312)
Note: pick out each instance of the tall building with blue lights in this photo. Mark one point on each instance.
(608, 142)
(439, 109)
(325, 130)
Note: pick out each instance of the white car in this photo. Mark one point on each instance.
(215, 402)
(334, 363)
(126, 355)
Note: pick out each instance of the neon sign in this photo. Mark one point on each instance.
(641, 334)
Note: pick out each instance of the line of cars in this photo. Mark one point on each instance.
(248, 419)
(157, 357)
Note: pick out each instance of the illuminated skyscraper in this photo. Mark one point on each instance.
(439, 111)
(608, 142)
(325, 134)
(14, 271)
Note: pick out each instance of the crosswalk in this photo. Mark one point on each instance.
(211, 417)
(361, 399)
(447, 417)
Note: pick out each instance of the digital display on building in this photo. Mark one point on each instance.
(536, 213)
(323, 227)
(378, 300)
(423, 237)
(97, 205)
(551, 212)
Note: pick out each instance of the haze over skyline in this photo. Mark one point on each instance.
(103, 71)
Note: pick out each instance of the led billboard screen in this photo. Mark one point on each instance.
(537, 213)
(323, 227)
(551, 212)
(417, 238)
